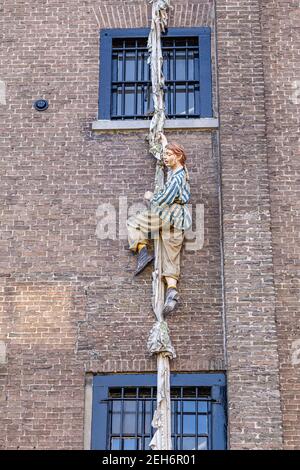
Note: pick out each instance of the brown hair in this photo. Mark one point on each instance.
(178, 150)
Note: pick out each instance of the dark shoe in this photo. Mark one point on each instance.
(143, 260)
(171, 302)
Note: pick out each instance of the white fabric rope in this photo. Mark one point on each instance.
(159, 341)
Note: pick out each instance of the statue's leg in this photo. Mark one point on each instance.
(136, 237)
(137, 230)
(141, 228)
(172, 244)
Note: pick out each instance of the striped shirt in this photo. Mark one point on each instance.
(170, 202)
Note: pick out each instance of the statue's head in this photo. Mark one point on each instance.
(174, 151)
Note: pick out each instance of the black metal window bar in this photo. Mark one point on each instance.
(131, 81)
(130, 411)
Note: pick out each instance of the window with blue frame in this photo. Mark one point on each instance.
(123, 407)
(125, 82)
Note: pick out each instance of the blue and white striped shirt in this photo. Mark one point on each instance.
(170, 202)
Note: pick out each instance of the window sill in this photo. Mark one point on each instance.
(131, 124)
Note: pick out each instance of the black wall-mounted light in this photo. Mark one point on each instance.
(41, 105)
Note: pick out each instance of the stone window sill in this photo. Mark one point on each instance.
(177, 124)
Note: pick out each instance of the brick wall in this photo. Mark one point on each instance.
(253, 388)
(69, 303)
(280, 26)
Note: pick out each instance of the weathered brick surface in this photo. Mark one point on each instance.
(69, 304)
(280, 33)
(253, 373)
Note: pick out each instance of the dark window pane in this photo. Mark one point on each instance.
(140, 110)
(186, 424)
(129, 100)
(173, 404)
(189, 424)
(146, 70)
(180, 65)
(115, 444)
(117, 406)
(116, 423)
(117, 67)
(202, 406)
(148, 416)
(116, 417)
(179, 426)
(130, 67)
(171, 66)
(204, 392)
(180, 99)
(141, 65)
(167, 42)
(202, 424)
(167, 100)
(130, 406)
(117, 43)
(149, 106)
(191, 65)
(175, 392)
(202, 443)
(130, 393)
(168, 65)
(189, 392)
(189, 406)
(193, 41)
(120, 67)
(130, 444)
(188, 443)
(130, 43)
(129, 417)
(140, 417)
(115, 393)
(145, 392)
(117, 101)
(147, 442)
(191, 99)
(197, 111)
(141, 42)
(114, 108)
(196, 68)
(139, 444)
(165, 63)
(180, 42)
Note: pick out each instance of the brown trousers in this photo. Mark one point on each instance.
(147, 225)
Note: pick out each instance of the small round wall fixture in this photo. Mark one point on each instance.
(41, 105)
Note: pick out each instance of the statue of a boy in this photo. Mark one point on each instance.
(167, 214)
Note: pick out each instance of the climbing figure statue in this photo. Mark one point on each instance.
(167, 215)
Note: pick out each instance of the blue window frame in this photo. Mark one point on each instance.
(123, 407)
(125, 82)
